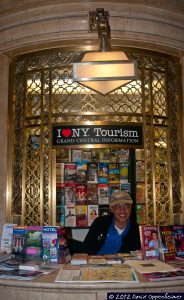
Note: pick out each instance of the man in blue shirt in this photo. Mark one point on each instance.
(115, 233)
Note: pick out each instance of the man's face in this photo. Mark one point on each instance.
(121, 212)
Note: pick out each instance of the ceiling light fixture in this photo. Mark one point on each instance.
(105, 70)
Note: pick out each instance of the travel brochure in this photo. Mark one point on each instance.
(35, 251)
(81, 267)
(90, 177)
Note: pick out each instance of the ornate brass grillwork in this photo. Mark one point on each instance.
(45, 94)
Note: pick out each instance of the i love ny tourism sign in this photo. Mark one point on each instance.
(118, 134)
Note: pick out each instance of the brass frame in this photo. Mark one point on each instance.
(47, 110)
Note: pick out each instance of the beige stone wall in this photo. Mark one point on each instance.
(30, 25)
(27, 25)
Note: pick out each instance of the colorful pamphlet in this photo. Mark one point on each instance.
(162, 276)
(123, 167)
(141, 213)
(7, 238)
(19, 241)
(76, 155)
(81, 172)
(86, 155)
(81, 194)
(140, 193)
(92, 193)
(60, 194)
(103, 173)
(33, 247)
(70, 216)
(50, 243)
(60, 215)
(167, 245)
(70, 173)
(92, 213)
(149, 241)
(114, 173)
(70, 193)
(103, 193)
(81, 216)
(92, 173)
(178, 234)
(104, 155)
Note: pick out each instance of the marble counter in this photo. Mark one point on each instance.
(44, 288)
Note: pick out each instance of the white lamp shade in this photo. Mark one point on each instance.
(104, 72)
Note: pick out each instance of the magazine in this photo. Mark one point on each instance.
(149, 241)
(7, 238)
(19, 241)
(33, 248)
(162, 276)
(50, 243)
(167, 247)
(178, 234)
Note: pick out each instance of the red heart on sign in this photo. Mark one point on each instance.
(66, 132)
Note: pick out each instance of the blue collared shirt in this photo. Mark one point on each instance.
(113, 240)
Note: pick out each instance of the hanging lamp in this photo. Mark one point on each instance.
(104, 70)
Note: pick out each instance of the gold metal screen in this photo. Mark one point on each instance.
(44, 93)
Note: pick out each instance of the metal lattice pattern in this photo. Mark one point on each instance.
(32, 178)
(52, 97)
(173, 107)
(18, 116)
(45, 154)
(159, 94)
